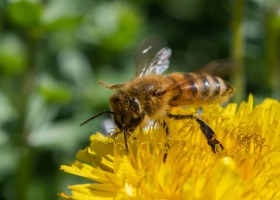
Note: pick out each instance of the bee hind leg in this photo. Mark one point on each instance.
(206, 130)
(210, 135)
(166, 147)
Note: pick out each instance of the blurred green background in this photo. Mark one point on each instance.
(53, 53)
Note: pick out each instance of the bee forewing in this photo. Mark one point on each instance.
(152, 56)
(159, 64)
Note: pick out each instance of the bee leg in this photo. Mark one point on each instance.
(167, 147)
(209, 134)
(206, 130)
(113, 134)
(125, 139)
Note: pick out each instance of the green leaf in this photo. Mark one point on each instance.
(54, 92)
(63, 22)
(62, 14)
(12, 54)
(25, 13)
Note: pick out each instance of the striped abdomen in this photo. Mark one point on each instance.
(194, 88)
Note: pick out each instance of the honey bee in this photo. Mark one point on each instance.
(151, 95)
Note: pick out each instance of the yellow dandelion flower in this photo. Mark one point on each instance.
(247, 168)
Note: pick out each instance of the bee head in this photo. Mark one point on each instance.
(128, 111)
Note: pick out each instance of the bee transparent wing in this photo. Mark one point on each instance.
(152, 56)
(220, 67)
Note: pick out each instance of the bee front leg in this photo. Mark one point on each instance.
(206, 130)
(125, 139)
(115, 134)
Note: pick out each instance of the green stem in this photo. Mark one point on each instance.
(237, 50)
(24, 171)
(272, 48)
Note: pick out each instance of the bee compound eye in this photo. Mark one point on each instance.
(135, 105)
(134, 100)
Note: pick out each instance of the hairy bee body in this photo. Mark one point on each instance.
(153, 95)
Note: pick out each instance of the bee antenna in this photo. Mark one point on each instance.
(95, 116)
(113, 86)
